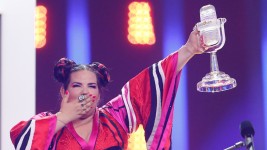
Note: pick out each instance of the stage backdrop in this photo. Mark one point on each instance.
(213, 118)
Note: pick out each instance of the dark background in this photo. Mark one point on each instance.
(213, 118)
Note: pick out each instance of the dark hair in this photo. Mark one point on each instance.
(64, 67)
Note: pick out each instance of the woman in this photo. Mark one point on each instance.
(146, 99)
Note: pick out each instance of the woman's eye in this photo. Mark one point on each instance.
(75, 85)
(92, 86)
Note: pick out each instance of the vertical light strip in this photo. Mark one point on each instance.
(173, 38)
(264, 60)
(78, 31)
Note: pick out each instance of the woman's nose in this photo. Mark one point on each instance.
(85, 90)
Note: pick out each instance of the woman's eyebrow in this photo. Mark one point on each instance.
(93, 83)
(76, 83)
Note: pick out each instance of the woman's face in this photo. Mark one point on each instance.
(83, 82)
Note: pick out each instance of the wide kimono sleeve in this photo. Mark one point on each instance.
(36, 133)
(149, 99)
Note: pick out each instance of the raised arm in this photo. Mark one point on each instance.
(193, 46)
(149, 96)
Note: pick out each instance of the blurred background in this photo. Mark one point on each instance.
(97, 30)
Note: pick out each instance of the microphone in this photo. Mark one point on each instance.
(237, 145)
(209, 26)
(247, 132)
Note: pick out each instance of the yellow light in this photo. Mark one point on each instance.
(137, 140)
(40, 26)
(140, 27)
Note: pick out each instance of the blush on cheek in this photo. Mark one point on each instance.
(72, 98)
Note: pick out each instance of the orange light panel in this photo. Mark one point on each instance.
(40, 26)
(137, 140)
(140, 29)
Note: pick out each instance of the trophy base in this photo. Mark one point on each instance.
(216, 81)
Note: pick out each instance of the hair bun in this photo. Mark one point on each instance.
(62, 69)
(103, 72)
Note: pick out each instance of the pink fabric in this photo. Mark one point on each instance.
(163, 117)
(118, 114)
(116, 111)
(91, 143)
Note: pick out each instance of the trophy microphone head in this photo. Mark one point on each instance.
(246, 129)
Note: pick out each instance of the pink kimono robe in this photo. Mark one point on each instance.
(146, 99)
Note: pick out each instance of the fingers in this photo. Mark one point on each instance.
(81, 98)
(201, 46)
(197, 41)
(195, 31)
(87, 104)
(88, 101)
(65, 96)
(87, 97)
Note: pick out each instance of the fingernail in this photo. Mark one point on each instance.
(93, 100)
(94, 96)
(90, 94)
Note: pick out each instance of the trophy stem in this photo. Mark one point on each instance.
(215, 81)
(213, 62)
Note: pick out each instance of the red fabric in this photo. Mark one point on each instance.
(16, 130)
(67, 142)
(107, 132)
(110, 131)
(141, 99)
(44, 129)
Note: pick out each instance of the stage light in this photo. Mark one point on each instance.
(140, 27)
(137, 140)
(40, 26)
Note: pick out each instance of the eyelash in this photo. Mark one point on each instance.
(91, 86)
(75, 85)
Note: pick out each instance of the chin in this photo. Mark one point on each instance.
(87, 115)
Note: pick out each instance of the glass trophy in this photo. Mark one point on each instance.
(212, 33)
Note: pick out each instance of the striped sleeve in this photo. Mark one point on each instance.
(36, 133)
(149, 98)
